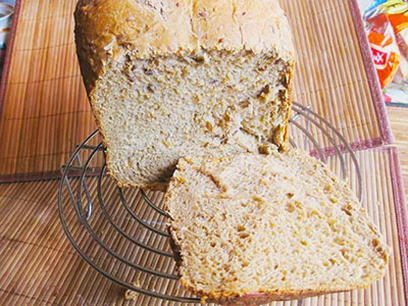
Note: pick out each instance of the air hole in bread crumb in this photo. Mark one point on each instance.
(345, 254)
(243, 235)
(339, 241)
(150, 88)
(244, 104)
(328, 188)
(347, 209)
(290, 208)
(375, 242)
(145, 70)
(290, 195)
(240, 228)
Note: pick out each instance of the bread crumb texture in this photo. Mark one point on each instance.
(275, 227)
(172, 78)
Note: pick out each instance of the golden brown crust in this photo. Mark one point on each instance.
(267, 297)
(159, 186)
(156, 186)
(105, 28)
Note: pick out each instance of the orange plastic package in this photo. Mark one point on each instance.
(397, 11)
(384, 48)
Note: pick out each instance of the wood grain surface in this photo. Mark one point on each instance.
(45, 112)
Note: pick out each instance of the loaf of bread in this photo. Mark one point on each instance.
(170, 78)
(254, 228)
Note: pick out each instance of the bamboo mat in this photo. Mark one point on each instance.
(45, 113)
(39, 266)
(399, 122)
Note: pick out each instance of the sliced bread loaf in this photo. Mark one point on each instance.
(170, 78)
(252, 228)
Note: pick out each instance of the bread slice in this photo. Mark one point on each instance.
(256, 228)
(172, 78)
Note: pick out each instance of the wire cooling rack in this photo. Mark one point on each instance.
(121, 232)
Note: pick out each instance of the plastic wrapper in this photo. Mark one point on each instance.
(384, 48)
(380, 16)
(397, 11)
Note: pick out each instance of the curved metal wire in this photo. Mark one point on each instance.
(305, 111)
(331, 140)
(95, 237)
(309, 135)
(84, 215)
(66, 168)
(85, 257)
(152, 228)
(64, 182)
(110, 220)
(152, 205)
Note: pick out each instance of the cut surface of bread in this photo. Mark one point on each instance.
(172, 78)
(252, 227)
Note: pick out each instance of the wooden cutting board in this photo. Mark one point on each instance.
(45, 113)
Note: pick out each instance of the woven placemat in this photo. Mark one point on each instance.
(39, 266)
(45, 113)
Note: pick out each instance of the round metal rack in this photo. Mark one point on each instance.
(121, 232)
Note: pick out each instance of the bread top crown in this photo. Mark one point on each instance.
(149, 28)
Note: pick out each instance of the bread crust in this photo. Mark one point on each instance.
(105, 28)
(268, 297)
